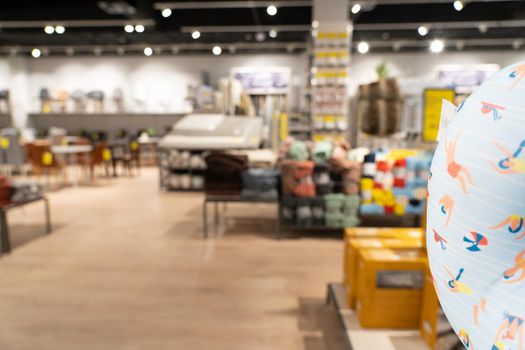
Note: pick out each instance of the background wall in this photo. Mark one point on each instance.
(163, 80)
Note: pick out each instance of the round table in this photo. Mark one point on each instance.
(71, 153)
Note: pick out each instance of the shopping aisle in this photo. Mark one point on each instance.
(126, 268)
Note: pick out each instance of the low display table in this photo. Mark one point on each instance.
(4, 227)
(210, 198)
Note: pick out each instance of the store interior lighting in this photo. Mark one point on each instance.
(148, 51)
(422, 30)
(128, 28)
(216, 50)
(272, 34)
(356, 8)
(166, 13)
(36, 53)
(49, 29)
(60, 29)
(139, 28)
(459, 5)
(437, 46)
(196, 34)
(363, 47)
(271, 10)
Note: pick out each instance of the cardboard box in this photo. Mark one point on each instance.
(390, 287)
(351, 254)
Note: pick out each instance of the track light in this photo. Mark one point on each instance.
(437, 46)
(271, 10)
(166, 13)
(363, 47)
(216, 50)
(60, 29)
(356, 8)
(196, 34)
(49, 29)
(458, 5)
(422, 30)
(272, 34)
(36, 53)
(129, 28)
(148, 51)
(139, 28)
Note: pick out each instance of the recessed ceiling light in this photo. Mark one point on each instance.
(260, 37)
(437, 46)
(148, 51)
(196, 34)
(216, 50)
(60, 29)
(97, 51)
(271, 10)
(272, 33)
(422, 30)
(460, 45)
(166, 13)
(232, 49)
(458, 5)
(290, 48)
(70, 51)
(397, 47)
(120, 51)
(129, 28)
(516, 44)
(174, 50)
(483, 28)
(363, 47)
(315, 24)
(139, 28)
(49, 29)
(36, 53)
(356, 8)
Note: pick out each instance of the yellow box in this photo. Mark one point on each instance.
(353, 245)
(390, 287)
(430, 311)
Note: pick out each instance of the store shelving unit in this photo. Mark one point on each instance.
(168, 171)
(5, 120)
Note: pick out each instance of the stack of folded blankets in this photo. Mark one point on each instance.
(260, 183)
(223, 175)
(391, 184)
(323, 191)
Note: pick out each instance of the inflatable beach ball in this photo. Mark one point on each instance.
(476, 214)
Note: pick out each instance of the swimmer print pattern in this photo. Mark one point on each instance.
(476, 215)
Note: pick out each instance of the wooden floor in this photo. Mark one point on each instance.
(126, 267)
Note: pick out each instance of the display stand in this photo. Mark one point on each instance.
(166, 171)
(358, 338)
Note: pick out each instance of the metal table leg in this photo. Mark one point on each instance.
(205, 218)
(48, 216)
(216, 217)
(4, 232)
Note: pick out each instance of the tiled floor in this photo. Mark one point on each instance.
(126, 268)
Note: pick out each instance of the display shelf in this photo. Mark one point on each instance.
(5, 120)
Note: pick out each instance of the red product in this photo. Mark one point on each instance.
(382, 165)
(389, 209)
(399, 183)
(400, 163)
(303, 169)
(378, 185)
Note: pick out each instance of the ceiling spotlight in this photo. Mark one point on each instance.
(148, 51)
(315, 24)
(516, 44)
(139, 28)
(174, 50)
(437, 46)
(483, 28)
(97, 51)
(356, 9)
(129, 28)
(273, 34)
(363, 47)
(166, 13)
(460, 45)
(13, 52)
(120, 51)
(271, 10)
(315, 33)
(232, 49)
(290, 48)
(458, 5)
(216, 50)
(196, 34)
(36, 53)
(70, 51)
(60, 29)
(49, 29)
(422, 30)
(397, 47)
(260, 37)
